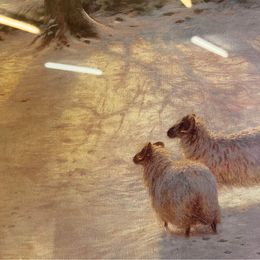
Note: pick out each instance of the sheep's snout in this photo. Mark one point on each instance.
(135, 159)
(172, 132)
(138, 159)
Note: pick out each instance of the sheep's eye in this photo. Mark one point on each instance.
(140, 157)
(185, 125)
(181, 125)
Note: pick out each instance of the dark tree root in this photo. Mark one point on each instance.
(53, 32)
(56, 32)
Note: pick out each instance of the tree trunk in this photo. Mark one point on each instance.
(64, 15)
(70, 14)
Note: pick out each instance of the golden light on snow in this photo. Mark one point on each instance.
(209, 46)
(187, 3)
(73, 68)
(239, 197)
(19, 25)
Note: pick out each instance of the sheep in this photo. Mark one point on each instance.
(183, 193)
(233, 159)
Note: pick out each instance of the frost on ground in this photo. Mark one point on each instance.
(68, 186)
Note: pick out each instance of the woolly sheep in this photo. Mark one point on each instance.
(183, 193)
(233, 159)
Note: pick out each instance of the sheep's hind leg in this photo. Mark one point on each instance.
(214, 227)
(166, 226)
(187, 232)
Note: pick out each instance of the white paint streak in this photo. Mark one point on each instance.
(19, 25)
(73, 68)
(209, 46)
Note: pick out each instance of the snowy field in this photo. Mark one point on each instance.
(68, 186)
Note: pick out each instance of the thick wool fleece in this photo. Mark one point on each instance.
(183, 193)
(233, 159)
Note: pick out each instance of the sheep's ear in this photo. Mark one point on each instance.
(161, 144)
(149, 150)
(188, 123)
(145, 153)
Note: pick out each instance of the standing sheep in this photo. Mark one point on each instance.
(183, 193)
(233, 159)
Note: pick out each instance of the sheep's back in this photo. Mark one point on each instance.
(235, 158)
(181, 186)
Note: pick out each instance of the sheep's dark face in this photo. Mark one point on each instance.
(146, 153)
(182, 128)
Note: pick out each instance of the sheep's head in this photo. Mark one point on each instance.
(146, 153)
(184, 127)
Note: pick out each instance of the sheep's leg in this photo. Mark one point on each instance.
(166, 226)
(214, 227)
(187, 232)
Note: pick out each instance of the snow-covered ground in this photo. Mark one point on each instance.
(68, 186)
